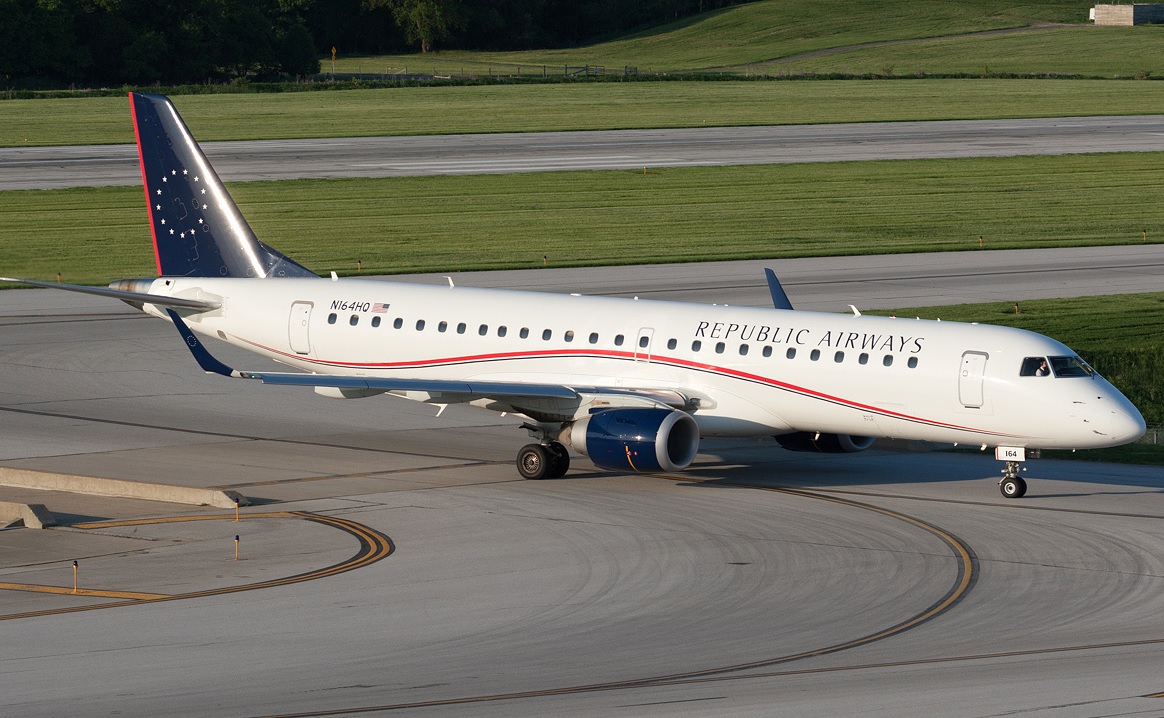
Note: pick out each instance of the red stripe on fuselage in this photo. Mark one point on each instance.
(630, 356)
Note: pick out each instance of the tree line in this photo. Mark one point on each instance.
(46, 43)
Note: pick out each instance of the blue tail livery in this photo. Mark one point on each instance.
(197, 229)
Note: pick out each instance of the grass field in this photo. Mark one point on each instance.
(615, 217)
(1088, 51)
(746, 34)
(575, 106)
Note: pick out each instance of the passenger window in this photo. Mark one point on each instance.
(483, 329)
(839, 357)
(375, 321)
(888, 360)
(672, 343)
(696, 345)
(593, 337)
(524, 333)
(767, 351)
(442, 326)
(791, 353)
(546, 335)
(912, 363)
(618, 340)
(331, 318)
(863, 359)
(719, 347)
(502, 331)
(569, 336)
(354, 320)
(461, 328)
(399, 322)
(814, 354)
(743, 350)
(420, 325)
(644, 341)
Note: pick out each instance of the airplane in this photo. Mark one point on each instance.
(633, 385)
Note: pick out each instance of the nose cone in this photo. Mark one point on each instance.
(1127, 423)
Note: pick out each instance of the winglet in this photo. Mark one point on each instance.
(779, 298)
(208, 363)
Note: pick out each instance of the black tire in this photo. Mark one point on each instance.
(560, 460)
(1013, 488)
(534, 461)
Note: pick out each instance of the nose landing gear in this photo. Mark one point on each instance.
(1012, 485)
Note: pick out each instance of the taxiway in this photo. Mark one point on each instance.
(91, 166)
(883, 583)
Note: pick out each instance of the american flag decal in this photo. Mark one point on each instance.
(380, 308)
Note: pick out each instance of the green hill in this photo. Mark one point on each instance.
(1086, 50)
(747, 35)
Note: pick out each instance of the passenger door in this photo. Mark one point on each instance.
(298, 327)
(970, 379)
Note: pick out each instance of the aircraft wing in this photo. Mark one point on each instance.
(779, 297)
(520, 396)
(474, 388)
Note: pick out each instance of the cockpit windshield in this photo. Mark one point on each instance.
(1070, 366)
(1058, 366)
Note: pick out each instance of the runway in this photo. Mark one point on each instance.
(58, 167)
(882, 583)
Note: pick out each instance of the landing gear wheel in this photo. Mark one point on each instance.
(560, 460)
(535, 461)
(1013, 487)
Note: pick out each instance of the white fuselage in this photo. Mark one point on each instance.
(754, 371)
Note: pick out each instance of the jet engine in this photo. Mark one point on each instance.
(637, 439)
(824, 443)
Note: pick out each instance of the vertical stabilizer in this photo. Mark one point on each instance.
(197, 229)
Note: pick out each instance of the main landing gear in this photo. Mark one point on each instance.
(543, 461)
(1012, 485)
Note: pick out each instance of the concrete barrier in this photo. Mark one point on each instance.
(34, 516)
(69, 483)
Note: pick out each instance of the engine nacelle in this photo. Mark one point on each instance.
(637, 439)
(824, 443)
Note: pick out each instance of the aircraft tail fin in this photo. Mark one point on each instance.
(197, 229)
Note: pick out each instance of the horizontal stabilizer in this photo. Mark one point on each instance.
(133, 297)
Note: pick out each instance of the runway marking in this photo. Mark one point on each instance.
(220, 434)
(361, 475)
(994, 504)
(35, 588)
(963, 582)
(374, 546)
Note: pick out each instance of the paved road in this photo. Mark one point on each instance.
(831, 284)
(900, 584)
(556, 593)
(54, 167)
